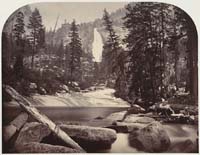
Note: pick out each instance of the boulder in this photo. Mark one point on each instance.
(32, 132)
(135, 109)
(33, 86)
(42, 91)
(20, 120)
(116, 116)
(123, 127)
(152, 138)
(137, 119)
(91, 138)
(99, 117)
(8, 132)
(131, 126)
(186, 146)
(14, 126)
(118, 128)
(66, 88)
(35, 147)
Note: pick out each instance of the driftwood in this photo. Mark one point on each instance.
(29, 108)
(14, 126)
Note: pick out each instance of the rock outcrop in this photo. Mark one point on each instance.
(35, 147)
(152, 138)
(32, 132)
(91, 138)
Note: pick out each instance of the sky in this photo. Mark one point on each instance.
(81, 12)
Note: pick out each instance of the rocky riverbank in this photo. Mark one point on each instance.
(144, 133)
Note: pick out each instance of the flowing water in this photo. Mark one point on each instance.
(97, 46)
(177, 132)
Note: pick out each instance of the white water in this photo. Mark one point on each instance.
(103, 97)
(97, 46)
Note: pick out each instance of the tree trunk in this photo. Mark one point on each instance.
(175, 65)
(29, 108)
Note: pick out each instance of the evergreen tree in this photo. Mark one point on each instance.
(18, 30)
(187, 29)
(75, 53)
(18, 33)
(67, 60)
(154, 32)
(87, 68)
(41, 37)
(37, 32)
(145, 42)
(111, 46)
(5, 50)
(60, 54)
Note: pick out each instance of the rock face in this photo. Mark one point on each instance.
(152, 138)
(32, 132)
(90, 138)
(35, 147)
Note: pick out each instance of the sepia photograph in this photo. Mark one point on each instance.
(99, 77)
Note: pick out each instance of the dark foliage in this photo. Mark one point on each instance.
(75, 53)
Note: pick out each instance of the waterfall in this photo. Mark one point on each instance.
(97, 46)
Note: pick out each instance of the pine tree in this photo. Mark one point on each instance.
(67, 61)
(60, 54)
(137, 43)
(111, 46)
(18, 33)
(18, 30)
(145, 44)
(154, 30)
(5, 50)
(75, 53)
(37, 32)
(188, 30)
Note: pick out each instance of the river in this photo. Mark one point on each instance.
(87, 115)
(177, 132)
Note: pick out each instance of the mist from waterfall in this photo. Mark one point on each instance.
(97, 46)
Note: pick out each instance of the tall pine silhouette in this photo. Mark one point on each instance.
(75, 53)
(19, 38)
(37, 33)
(111, 46)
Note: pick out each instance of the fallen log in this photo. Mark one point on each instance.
(14, 126)
(29, 108)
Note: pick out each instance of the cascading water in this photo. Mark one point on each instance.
(97, 46)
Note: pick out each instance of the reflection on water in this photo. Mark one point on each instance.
(176, 132)
(63, 114)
